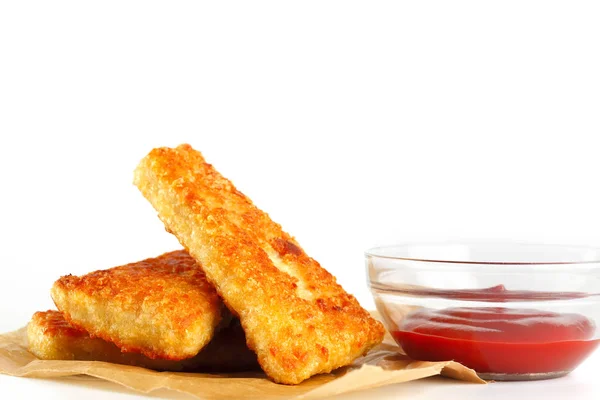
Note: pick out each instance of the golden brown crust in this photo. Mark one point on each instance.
(296, 317)
(54, 324)
(162, 307)
(51, 337)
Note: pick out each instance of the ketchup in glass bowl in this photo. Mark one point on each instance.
(508, 311)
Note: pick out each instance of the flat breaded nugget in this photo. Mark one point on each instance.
(51, 337)
(297, 319)
(161, 307)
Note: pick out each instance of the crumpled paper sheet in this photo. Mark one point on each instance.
(384, 365)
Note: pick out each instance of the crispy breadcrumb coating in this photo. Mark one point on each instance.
(52, 338)
(161, 307)
(297, 319)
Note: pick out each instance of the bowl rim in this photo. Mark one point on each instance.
(375, 252)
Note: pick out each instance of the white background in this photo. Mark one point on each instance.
(352, 123)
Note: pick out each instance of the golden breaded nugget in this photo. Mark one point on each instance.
(161, 307)
(52, 338)
(297, 319)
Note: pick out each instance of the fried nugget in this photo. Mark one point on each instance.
(161, 307)
(52, 338)
(297, 319)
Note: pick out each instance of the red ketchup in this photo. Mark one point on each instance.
(495, 341)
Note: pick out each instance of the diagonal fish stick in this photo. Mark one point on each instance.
(297, 319)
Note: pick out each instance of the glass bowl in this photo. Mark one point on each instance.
(509, 311)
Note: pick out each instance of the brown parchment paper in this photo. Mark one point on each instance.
(384, 365)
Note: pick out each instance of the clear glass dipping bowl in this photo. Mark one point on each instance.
(509, 311)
